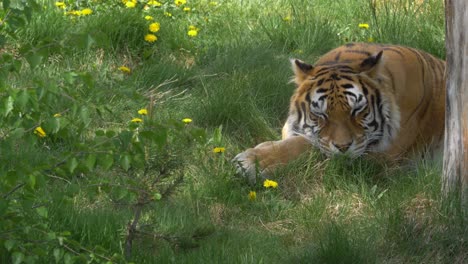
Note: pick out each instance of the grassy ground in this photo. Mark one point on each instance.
(235, 74)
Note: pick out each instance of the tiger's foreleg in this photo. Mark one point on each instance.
(265, 157)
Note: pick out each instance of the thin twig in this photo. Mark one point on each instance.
(13, 190)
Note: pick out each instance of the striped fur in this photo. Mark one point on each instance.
(360, 98)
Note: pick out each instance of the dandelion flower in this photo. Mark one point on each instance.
(213, 3)
(60, 5)
(219, 150)
(136, 120)
(143, 111)
(74, 12)
(192, 33)
(149, 18)
(252, 195)
(154, 3)
(151, 38)
(180, 2)
(154, 27)
(40, 132)
(268, 183)
(125, 69)
(187, 120)
(192, 27)
(187, 9)
(57, 115)
(130, 4)
(167, 14)
(364, 25)
(86, 11)
(287, 18)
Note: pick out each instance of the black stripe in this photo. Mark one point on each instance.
(359, 52)
(299, 113)
(395, 49)
(337, 57)
(347, 86)
(321, 90)
(346, 77)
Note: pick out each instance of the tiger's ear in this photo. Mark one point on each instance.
(301, 70)
(370, 65)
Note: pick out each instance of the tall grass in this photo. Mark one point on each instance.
(235, 74)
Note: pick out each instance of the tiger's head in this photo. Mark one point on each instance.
(343, 108)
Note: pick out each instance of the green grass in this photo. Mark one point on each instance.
(235, 74)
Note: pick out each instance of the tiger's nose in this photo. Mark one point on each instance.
(342, 147)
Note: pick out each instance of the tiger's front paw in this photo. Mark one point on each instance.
(248, 165)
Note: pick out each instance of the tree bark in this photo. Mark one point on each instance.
(455, 170)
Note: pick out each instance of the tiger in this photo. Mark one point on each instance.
(358, 99)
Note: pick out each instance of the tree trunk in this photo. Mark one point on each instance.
(455, 175)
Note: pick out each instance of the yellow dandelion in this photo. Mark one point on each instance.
(125, 69)
(268, 183)
(143, 111)
(187, 9)
(167, 14)
(150, 38)
(187, 120)
(192, 27)
(180, 2)
(192, 33)
(75, 12)
(60, 5)
(40, 132)
(154, 3)
(57, 115)
(213, 3)
(149, 18)
(252, 195)
(154, 27)
(130, 4)
(287, 18)
(136, 120)
(86, 11)
(364, 25)
(219, 150)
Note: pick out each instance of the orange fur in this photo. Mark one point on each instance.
(359, 98)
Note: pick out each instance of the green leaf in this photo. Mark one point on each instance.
(82, 41)
(8, 106)
(42, 211)
(68, 259)
(72, 164)
(157, 196)
(106, 161)
(84, 115)
(22, 99)
(17, 257)
(58, 254)
(9, 244)
(125, 162)
(90, 161)
(32, 181)
(52, 125)
(34, 59)
(17, 133)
